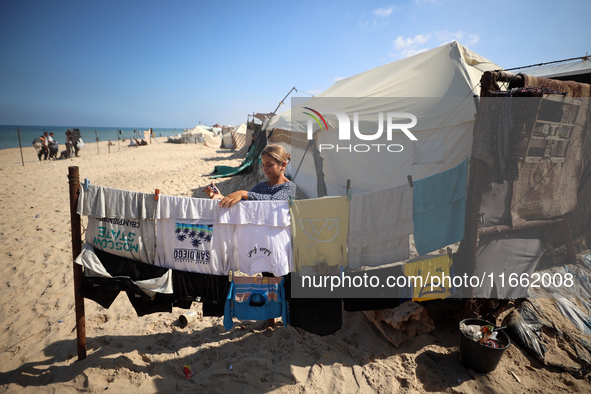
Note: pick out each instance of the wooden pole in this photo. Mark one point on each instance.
(19, 144)
(97, 144)
(74, 181)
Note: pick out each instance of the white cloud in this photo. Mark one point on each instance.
(407, 43)
(384, 11)
(472, 39)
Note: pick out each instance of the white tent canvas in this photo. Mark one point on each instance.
(446, 77)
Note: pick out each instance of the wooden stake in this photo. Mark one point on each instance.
(19, 144)
(74, 181)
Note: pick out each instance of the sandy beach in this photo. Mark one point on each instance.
(127, 353)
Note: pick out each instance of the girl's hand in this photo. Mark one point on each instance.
(233, 198)
(213, 193)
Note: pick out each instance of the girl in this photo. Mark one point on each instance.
(274, 159)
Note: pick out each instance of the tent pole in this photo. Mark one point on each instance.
(74, 181)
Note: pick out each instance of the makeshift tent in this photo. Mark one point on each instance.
(447, 77)
(241, 137)
(196, 134)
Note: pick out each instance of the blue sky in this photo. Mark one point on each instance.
(176, 63)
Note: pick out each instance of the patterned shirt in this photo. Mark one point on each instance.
(262, 191)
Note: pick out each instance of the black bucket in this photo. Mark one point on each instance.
(479, 357)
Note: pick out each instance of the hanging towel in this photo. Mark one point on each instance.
(261, 236)
(255, 298)
(439, 209)
(380, 223)
(319, 227)
(104, 202)
(188, 236)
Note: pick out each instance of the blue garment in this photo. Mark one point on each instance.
(262, 191)
(255, 301)
(439, 209)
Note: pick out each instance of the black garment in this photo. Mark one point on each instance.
(193, 286)
(320, 316)
(125, 271)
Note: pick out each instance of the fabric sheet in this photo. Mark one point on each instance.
(175, 207)
(439, 209)
(380, 223)
(105, 202)
(498, 256)
(319, 229)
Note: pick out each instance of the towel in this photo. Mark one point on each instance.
(380, 223)
(319, 228)
(439, 209)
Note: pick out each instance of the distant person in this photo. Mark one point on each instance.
(53, 147)
(44, 151)
(37, 144)
(143, 142)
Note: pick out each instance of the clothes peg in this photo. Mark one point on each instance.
(230, 276)
(409, 177)
(349, 190)
(85, 184)
(290, 199)
(156, 193)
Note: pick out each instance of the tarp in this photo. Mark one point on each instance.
(253, 154)
(448, 76)
(559, 71)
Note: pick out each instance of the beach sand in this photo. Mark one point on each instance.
(147, 354)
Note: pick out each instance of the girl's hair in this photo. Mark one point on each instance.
(277, 152)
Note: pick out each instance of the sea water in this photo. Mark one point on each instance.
(9, 135)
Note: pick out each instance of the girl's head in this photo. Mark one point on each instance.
(278, 153)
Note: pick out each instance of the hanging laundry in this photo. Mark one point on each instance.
(319, 228)
(206, 288)
(380, 223)
(426, 288)
(261, 236)
(255, 298)
(439, 209)
(105, 202)
(320, 316)
(188, 236)
(131, 238)
(148, 288)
